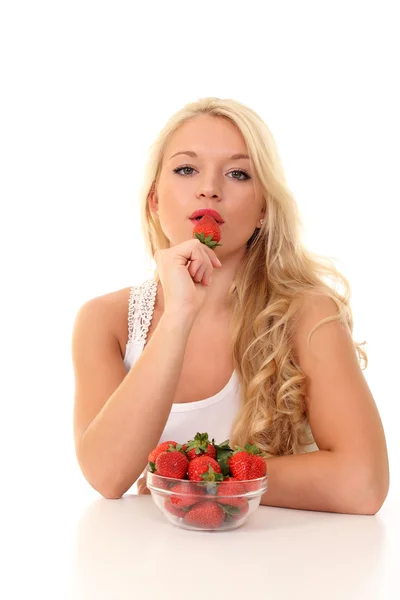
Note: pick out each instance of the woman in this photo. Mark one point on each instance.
(259, 304)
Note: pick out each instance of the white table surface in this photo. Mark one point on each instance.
(115, 549)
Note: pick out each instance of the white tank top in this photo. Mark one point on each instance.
(214, 415)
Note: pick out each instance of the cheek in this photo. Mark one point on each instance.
(247, 215)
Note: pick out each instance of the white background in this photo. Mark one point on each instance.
(85, 88)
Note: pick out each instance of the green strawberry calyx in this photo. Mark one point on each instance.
(199, 443)
(209, 480)
(224, 452)
(229, 510)
(211, 475)
(250, 449)
(178, 448)
(208, 241)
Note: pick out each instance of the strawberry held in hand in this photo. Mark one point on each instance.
(207, 231)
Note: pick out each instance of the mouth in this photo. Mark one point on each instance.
(195, 220)
(199, 214)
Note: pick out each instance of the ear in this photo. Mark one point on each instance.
(153, 201)
(262, 215)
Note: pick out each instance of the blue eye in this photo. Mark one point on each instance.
(242, 172)
(181, 169)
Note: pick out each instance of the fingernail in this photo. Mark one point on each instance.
(220, 263)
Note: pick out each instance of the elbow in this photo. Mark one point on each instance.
(108, 492)
(105, 485)
(370, 506)
(105, 488)
(370, 494)
(112, 496)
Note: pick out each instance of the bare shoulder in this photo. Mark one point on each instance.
(318, 313)
(111, 310)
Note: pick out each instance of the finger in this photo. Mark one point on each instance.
(197, 261)
(200, 273)
(212, 256)
(197, 271)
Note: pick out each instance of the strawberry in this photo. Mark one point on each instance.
(234, 508)
(239, 464)
(177, 512)
(160, 448)
(189, 494)
(204, 468)
(207, 231)
(160, 482)
(205, 514)
(199, 446)
(172, 464)
(232, 487)
(247, 463)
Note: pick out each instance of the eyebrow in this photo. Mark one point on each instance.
(194, 155)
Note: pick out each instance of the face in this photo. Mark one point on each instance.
(212, 179)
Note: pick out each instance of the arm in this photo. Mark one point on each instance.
(119, 416)
(350, 472)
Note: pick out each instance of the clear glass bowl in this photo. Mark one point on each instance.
(206, 506)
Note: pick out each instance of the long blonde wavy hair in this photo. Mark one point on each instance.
(277, 269)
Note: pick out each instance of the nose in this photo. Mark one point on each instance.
(205, 195)
(209, 191)
(209, 186)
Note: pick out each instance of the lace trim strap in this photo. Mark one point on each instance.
(140, 311)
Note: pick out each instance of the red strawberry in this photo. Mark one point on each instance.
(205, 514)
(160, 482)
(239, 464)
(234, 508)
(199, 446)
(177, 512)
(233, 487)
(248, 463)
(172, 464)
(204, 468)
(258, 467)
(189, 494)
(207, 231)
(160, 448)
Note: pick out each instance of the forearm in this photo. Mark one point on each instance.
(320, 481)
(113, 450)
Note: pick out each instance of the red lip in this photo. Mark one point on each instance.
(208, 211)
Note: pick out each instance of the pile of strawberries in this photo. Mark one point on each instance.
(210, 474)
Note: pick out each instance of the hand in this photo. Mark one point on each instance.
(141, 484)
(185, 272)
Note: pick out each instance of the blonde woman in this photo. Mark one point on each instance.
(250, 341)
